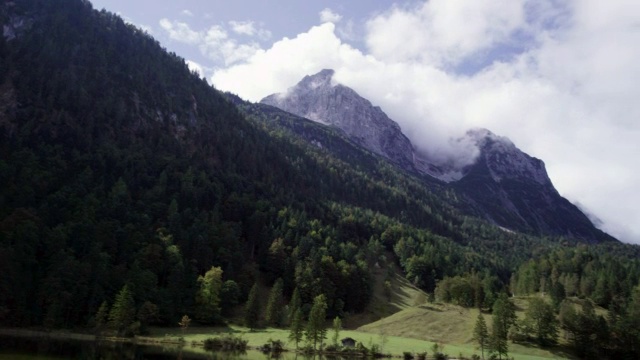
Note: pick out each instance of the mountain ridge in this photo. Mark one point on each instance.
(500, 197)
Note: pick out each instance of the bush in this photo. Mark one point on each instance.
(407, 355)
(440, 356)
(226, 343)
(422, 356)
(475, 357)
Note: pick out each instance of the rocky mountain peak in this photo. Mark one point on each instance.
(505, 161)
(317, 97)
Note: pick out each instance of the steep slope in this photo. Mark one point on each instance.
(315, 97)
(504, 185)
(121, 167)
(513, 190)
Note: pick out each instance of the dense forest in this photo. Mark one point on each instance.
(128, 182)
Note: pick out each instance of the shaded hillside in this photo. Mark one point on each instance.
(125, 174)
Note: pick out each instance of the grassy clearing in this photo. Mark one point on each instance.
(394, 345)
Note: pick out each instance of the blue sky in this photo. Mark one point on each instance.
(559, 78)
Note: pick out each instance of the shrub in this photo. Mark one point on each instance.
(422, 356)
(407, 355)
(226, 343)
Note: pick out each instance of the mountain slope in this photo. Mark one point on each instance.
(121, 167)
(315, 97)
(513, 190)
(503, 185)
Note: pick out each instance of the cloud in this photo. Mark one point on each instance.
(180, 31)
(215, 42)
(195, 67)
(554, 77)
(248, 28)
(186, 12)
(328, 15)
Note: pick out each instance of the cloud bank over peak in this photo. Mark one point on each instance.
(554, 77)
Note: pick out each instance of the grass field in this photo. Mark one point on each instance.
(394, 345)
(396, 321)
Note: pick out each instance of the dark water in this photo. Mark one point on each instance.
(22, 348)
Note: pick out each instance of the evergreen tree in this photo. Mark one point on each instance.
(102, 316)
(252, 308)
(294, 304)
(504, 317)
(123, 311)
(275, 305)
(337, 326)
(296, 328)
(316, 331)
(540, 322)
(481, 334)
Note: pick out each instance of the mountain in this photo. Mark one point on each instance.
(513, 190)
(315, 97)
(504, 185)
(124, 173)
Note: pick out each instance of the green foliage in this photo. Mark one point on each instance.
(296, 327)
(503, 318)
(481, 334)
(208, 296)
(119, 166)
(102, 316)
(123, 311)
(337, 326)
(316, 330)
(275, 305)
(252, 309)
(540, 322)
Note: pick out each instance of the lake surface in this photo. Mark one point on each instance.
(23, 348)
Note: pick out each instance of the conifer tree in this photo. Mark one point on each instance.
(504, 316)
(337, 326)
(123, 311)
(481, 334)
(275, 305)
(296, 329)
(316, 330)
(102, 316)
(252, 308)
(294, 304)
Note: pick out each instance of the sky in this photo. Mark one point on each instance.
(560, 78)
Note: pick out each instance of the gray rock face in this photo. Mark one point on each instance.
(318, 99)
(505, 161)
(512, 189)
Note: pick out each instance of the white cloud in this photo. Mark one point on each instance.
(180, 31)
(186, 12)
(248, 28)
(566, 94)
(328, 15)
(215, 42)
(197, 68)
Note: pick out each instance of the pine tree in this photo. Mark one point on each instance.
(252, 308)
(294, 304)
(337, 326)
(102, 316)
(123, 311)
(316, 330)
(540, 322)
(504, 316)
(481, 334)
(296, 329)
(275, 305)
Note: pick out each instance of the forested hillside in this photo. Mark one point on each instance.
(128, 179)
